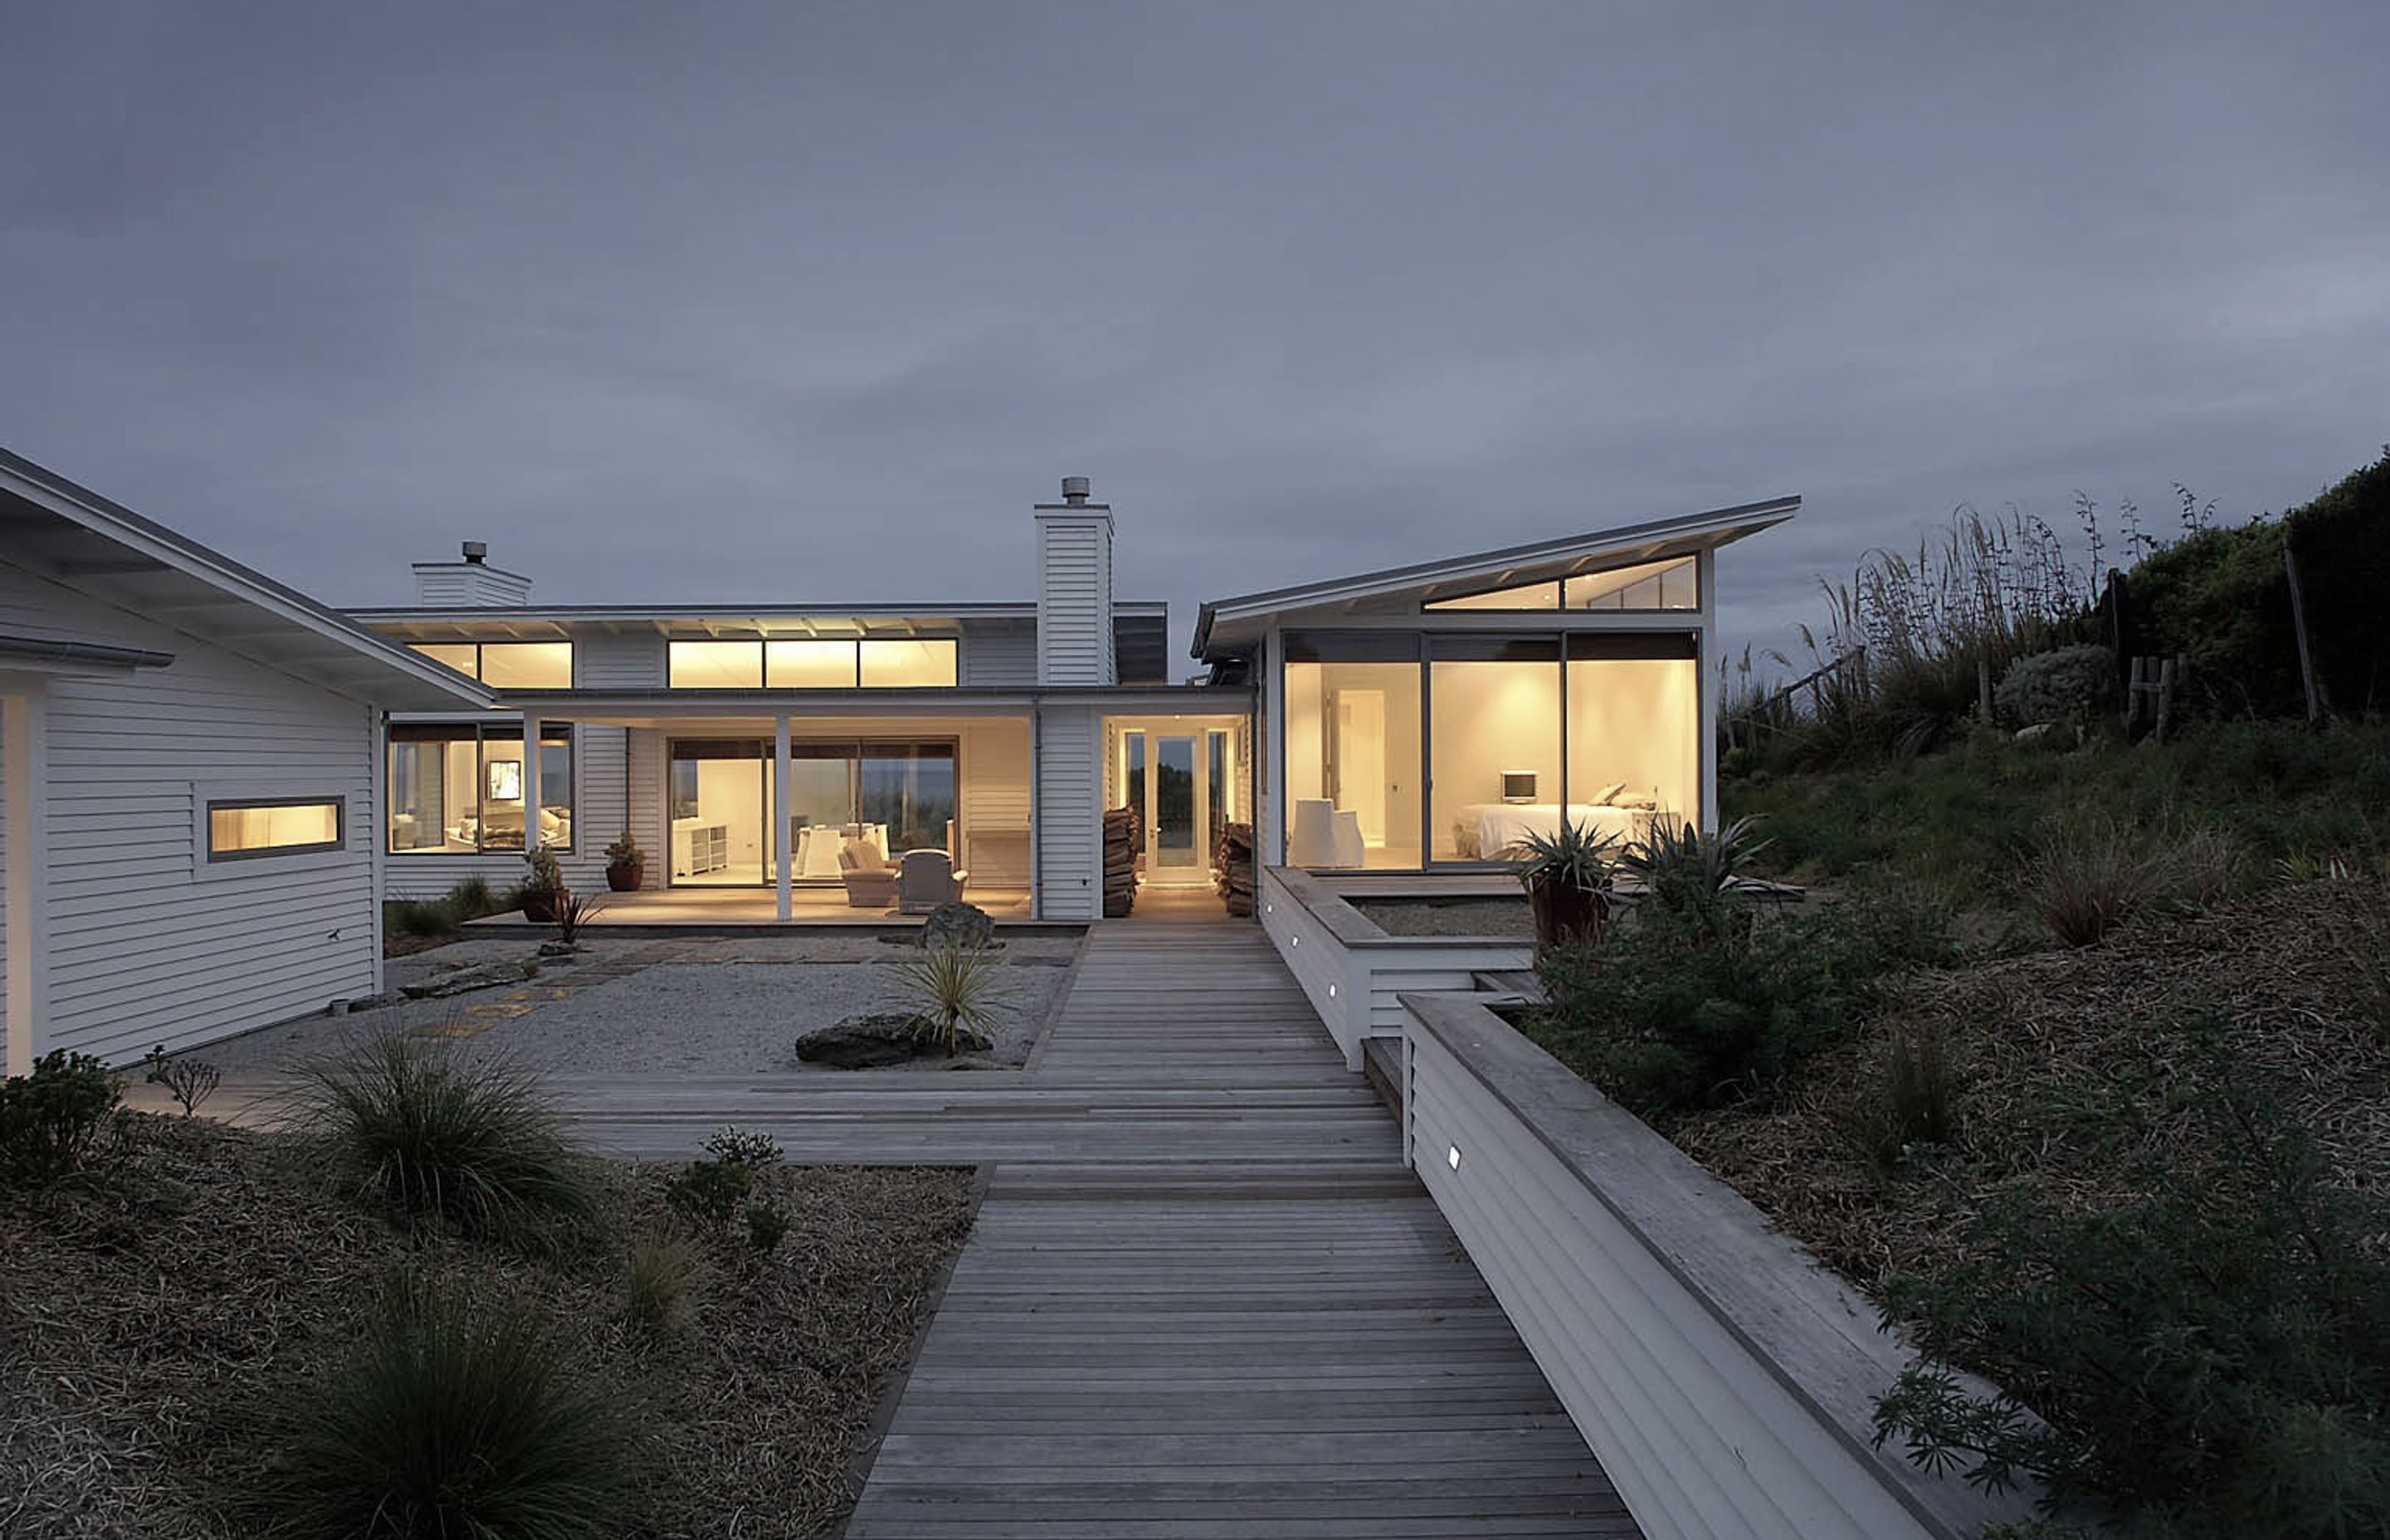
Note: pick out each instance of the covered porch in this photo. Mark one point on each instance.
(798, 808)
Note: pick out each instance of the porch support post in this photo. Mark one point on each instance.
(531, 783)
(781, 854)
(23, 732)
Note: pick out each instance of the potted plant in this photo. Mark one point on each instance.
(1568, 875)
(543, 889)
(626, 865)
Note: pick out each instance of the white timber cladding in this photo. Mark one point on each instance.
(458, 584)
(1074, 597)
(138, 951)
(1328, 944)
(1691, 1406)
(992, 655)
(1070, 818)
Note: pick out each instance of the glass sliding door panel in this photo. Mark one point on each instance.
(1133, 780)
(1174, 842)
(720, 833)
(1352, 744)
(1635, 736)
(1494, 731)
(821, 808)
(910, 789)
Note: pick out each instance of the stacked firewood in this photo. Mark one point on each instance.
(1232, 867)
(1120, 844)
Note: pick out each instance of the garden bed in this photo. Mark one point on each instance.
(149, 1307)
(1448, 916)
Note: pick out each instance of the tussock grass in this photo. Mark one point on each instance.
(413, 1124)
(667, 1274)
(452, 1416)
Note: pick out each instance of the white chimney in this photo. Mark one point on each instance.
(471, 583)
(1074, 589)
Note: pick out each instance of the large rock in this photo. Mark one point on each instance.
(459, 981)
(958, 924)
(878, 1039)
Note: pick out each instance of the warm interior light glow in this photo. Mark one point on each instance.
(715, 665)
(907, 664)
(809, 665)
(527, 665)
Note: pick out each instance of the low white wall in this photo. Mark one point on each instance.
(1722, 1376)
(1353, 973)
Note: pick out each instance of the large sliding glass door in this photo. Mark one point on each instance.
(899, 796)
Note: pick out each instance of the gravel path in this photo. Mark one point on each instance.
(696, 1007)
(1448, 916)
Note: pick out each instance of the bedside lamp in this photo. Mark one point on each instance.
(1518, 785)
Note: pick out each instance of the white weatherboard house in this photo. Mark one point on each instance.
(1413, 720)
(190, 783)
(210, 778)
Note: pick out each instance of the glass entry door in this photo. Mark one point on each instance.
(1169, 780)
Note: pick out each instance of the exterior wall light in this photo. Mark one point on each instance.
(1452, 1157)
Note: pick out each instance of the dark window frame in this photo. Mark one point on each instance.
(339, 840)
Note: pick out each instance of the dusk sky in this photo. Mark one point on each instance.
(721, 302)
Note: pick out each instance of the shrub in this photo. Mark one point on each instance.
(955, 989)
(546, 875)
(188, 1081)
(50, 1120)
(416, 1125)
(710, 1193)
(2072, 685)
(1670, 1015)
(661, 1286)
(767, 1227)
(451, 1418)
(471, 898)
(757, 1151)
(1688, 872)
(414, 917)
(2207, 1350)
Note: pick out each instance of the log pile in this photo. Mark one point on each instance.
(1232, 869)
(1120, 844)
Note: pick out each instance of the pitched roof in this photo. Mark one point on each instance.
(1217, 631)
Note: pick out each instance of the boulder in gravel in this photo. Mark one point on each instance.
(462, 981)
(958, 924)
(878, 1039)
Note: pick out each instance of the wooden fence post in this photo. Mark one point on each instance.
(2318, 704)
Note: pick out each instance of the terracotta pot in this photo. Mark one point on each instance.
(540, 904)
(627, 877)
(1567, 915)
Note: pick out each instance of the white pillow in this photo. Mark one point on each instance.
(1608, 796)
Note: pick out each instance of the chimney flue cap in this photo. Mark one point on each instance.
(1076, 489)
(477, 551)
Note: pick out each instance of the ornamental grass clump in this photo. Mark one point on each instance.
(452, 1417)
(416, 1125)
(955, 990)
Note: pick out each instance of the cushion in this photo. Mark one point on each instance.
(862, 853)
(1640, 801)
(1608, 795)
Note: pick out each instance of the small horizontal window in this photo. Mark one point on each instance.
(275, 827)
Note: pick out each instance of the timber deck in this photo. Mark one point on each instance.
(1203, 1298)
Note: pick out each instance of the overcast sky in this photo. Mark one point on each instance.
(706, 302)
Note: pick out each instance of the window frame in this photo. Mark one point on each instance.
(571, 657)
(211, 803)
(1463, 603)
(552, 735)
(763, 646)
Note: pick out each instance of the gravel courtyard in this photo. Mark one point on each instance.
(699, 1005)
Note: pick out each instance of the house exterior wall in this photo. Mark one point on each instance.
(1068, 817)
(146, 941)
(1075, 595)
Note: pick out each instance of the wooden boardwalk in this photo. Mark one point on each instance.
(1203, 1298)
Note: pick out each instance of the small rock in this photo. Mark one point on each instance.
(487, 975)
(958, 924)
(878, 1039)
(2035, 733)
(559, 948)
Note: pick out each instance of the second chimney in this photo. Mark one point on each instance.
(470, 583)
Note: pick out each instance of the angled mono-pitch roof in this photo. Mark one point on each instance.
(70, 533)
(1223, 626)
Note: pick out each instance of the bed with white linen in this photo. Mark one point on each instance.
(1487, 831)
